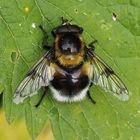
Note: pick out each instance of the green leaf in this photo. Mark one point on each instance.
(118, 44)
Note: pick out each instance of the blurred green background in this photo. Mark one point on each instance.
(18, 130)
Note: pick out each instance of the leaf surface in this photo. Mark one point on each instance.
(118, 44)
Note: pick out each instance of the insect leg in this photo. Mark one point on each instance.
(65, 21)
(40, 100)
(44, 43)
(89, 96)
(91, 44)
(43, 30)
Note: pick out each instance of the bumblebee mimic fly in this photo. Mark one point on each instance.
(69, 68)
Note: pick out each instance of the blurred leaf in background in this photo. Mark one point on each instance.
(18, 130)
(118, 44)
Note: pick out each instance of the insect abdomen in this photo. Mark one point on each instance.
(69, 89)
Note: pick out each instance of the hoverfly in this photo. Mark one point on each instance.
(69, 69)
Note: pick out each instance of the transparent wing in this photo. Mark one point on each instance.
(39, 76)
(105, 77)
